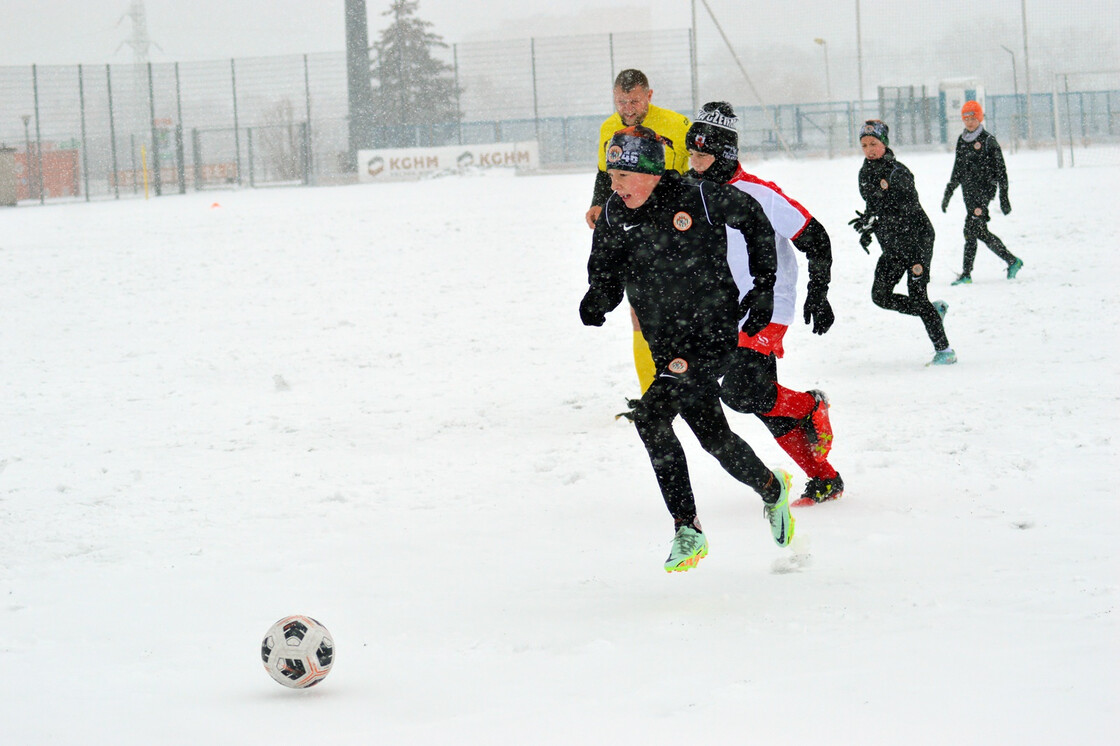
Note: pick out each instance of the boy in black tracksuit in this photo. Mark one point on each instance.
(798, 420)
(661, 240)
(894, 215)
(979, 170)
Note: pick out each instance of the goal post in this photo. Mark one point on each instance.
(1086, 113)
(262, 155)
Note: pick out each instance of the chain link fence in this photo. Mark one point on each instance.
(107, 131)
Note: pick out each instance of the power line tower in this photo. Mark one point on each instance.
(140, 42)
(143, 102)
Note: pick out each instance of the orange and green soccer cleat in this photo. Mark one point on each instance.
(777, 512)
(689, 547)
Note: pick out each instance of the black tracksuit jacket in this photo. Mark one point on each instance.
(901, 226)
(979, 169)
(669, 257)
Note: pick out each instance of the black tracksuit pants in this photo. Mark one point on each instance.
(914, 264)
(976, 228)
(750, 386)
(696, 399)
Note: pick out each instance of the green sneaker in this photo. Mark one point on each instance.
(1013, 268)
(689, 547)
(943, 357)
(781, 520)
(962, 280)
(942, 308)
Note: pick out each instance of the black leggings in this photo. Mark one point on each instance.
(889, 270)
(976, 228)
(696, 400)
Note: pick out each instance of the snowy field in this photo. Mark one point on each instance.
(376, 405)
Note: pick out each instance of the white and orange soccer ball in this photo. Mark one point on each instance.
(298, 652)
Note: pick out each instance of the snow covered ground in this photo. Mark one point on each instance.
(376, 405)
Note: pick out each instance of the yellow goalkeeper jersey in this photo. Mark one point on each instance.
(669, 124)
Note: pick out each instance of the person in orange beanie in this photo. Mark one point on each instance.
(980, 171)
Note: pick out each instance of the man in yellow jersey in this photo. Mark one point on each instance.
(632, 96)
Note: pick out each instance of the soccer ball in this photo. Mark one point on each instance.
(298, 652)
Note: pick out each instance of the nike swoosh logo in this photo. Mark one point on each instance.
(629, 227)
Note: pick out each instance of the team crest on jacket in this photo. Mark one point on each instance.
(884, 183)
(678, 365)
(682, 221)
(975, 146)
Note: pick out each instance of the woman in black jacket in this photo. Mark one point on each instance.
(895, 217)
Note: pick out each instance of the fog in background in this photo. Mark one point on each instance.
(903, 42)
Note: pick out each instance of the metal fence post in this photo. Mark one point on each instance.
(157, 175)
(236, 126)
(38, 136)
(196, 157)
(305, 156)
(851, 124)
(533, 66)
(113, 135)
(135, 168)
(1069, 123)
(180, 165)
(307, 124)
(458, 93)
(85, 146)
(249, 139)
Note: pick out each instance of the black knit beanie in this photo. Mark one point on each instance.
(877, 129)
(714, 132)
(638, 149)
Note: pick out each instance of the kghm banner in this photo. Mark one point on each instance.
(379, 165)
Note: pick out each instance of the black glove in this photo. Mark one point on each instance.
(865, 241)
(632, 406)
(759, 306)
(861, 222)
(589, 312)
(818, 309)
(948, 196)
(1004, 202)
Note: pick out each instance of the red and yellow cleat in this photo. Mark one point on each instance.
(818, 427)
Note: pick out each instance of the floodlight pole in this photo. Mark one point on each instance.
(694, 62)
(859, 58)
(1018, 107)
(828, 91)
(1027, 71)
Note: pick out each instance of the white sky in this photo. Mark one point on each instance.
(65, 31)
(904, 42)
(72, 31)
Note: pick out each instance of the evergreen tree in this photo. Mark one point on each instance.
(410, 86)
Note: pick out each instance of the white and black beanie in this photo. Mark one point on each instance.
(714, 131)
